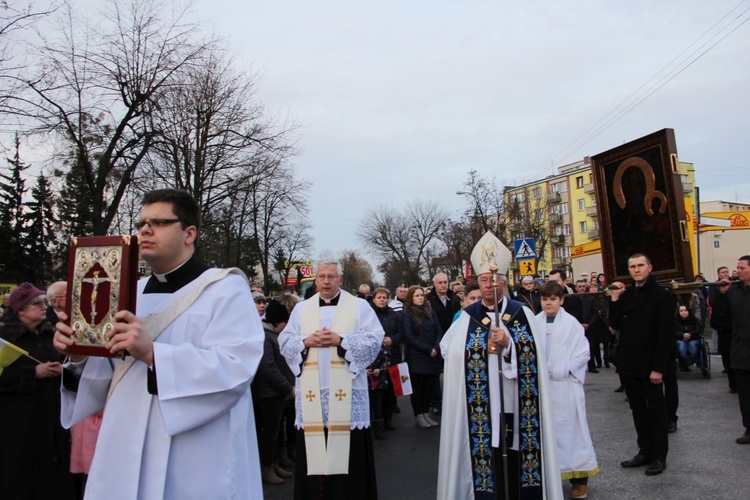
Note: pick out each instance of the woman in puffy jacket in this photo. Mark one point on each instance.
(422, 334)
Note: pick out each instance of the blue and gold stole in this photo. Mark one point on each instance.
(487, 474)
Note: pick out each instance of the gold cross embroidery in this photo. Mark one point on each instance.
(310, 396)
(341, 394)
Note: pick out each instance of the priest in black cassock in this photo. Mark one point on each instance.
(329, 342)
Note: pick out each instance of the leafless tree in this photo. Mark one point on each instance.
(402, 237)
(485, 206)
(356, 270)
(15, 17)
(295, 244)
(214, 133)
(528, 217)
(457, 238)
(276, 200)
(105, 76)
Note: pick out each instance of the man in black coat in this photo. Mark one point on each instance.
(721, 321)
(734, 301)
(445, 304)
(644, 314)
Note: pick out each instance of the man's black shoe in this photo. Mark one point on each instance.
(620, 389)
(656, 468)
(672, 427)
(732, 391)
(637, 461)
(593, 370)
(744, 439)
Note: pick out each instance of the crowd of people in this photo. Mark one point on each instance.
(301, 388)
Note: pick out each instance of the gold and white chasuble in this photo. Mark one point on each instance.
(331, 391)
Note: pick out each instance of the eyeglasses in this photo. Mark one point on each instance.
(154, 223)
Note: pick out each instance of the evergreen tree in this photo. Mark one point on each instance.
(41, 237)
(12, 189)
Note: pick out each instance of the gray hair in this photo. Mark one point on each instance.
(329, 262)
(439, 274)
(54, 286)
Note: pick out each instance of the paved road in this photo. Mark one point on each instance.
(704, 461)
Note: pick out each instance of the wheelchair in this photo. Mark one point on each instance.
(702, 360)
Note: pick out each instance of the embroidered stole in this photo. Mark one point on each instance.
(333, 457)
(156, 322)
(486, 469)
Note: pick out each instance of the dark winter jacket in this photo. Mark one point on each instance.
(530, 299)
(274, 379)
(35, 449)
(735, 304)
(421, 338)
(686, 325)
(445, 313)
(645, 318)
(391, 323)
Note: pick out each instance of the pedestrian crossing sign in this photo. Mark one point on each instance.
(525, 248)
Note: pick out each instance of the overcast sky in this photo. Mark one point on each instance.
(399, 99)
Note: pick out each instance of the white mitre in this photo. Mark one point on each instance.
(490, 252)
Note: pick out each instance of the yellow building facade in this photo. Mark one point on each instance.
(559, 212)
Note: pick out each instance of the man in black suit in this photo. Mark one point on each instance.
(644, 314)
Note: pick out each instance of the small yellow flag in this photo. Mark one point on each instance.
(9, 353)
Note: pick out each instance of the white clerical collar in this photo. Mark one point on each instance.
(162, 278)
(332, 299)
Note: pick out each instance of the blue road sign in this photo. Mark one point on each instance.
(525, 248)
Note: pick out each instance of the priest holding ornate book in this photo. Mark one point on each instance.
(329, 342)
(495, 395)
(178, 416)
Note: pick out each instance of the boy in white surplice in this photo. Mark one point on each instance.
(567, 354)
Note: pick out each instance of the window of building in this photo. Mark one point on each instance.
(560, 208)
(563, 229)
(562, 252)
(593, 201)
(684, 178)
(536, 193)
(596, 224)
(581, 205)
(579, 181)
(539, 213)
(559, 187)
(584, 226)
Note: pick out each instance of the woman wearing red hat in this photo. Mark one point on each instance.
(35, 451)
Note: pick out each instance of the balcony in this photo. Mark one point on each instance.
(561, 240)
(555, 219)
(588, 188)
(594, 234)
(687, 188)
(554, 198)
(561, 261)
(591, 212)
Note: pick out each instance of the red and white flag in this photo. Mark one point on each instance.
(400, 377)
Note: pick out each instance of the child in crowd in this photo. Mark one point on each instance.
(471, 295)
(567, 354)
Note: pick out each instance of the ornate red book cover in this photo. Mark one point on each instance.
(102, 279)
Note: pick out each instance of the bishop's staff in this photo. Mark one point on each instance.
(493, 349)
